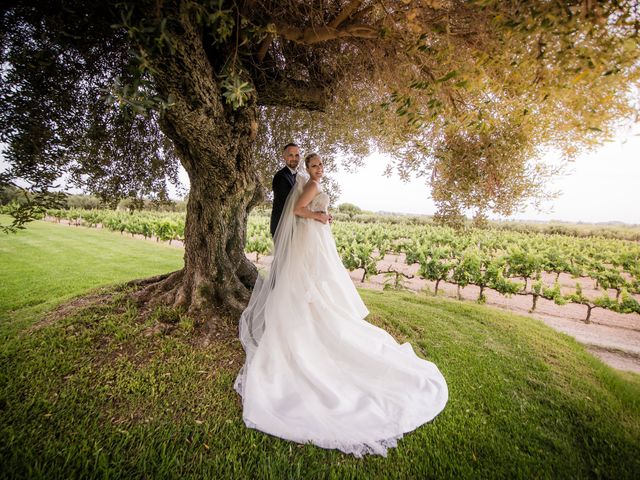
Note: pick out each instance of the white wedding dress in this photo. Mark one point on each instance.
(316, 371)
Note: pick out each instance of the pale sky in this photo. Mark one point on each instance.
(601, 186)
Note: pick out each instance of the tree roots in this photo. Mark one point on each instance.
(215, 309)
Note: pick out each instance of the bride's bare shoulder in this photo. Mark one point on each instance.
(311, 185)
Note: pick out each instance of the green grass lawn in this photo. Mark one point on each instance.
(49, 263)
(99, 393)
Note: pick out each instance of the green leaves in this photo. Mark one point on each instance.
(236, 91)
(360, 255)
(554, 293)
(31, 206)
(448, 76)
(136, 96)
(258, 239)
(220, 22)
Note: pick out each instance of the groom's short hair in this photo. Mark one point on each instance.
(289, 145)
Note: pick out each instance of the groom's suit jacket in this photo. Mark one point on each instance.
(282, 184)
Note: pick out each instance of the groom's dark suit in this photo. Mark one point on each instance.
(282, 184)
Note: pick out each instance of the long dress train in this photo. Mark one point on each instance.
(316, 371)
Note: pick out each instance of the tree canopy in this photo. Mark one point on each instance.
(464, 93)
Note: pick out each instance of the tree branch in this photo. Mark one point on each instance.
(345, 13)
(264, 47)
(310, 36)
(291, 93)
(362, 13)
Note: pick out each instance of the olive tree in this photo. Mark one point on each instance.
(464, 93)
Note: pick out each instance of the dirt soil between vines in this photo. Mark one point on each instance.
(613, 337)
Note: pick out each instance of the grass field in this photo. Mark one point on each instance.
(98, 393)
(47, 264)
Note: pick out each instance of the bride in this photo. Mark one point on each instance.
(315, 370)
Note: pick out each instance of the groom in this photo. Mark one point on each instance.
(283, 182)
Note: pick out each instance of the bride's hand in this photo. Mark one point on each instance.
(322, 217)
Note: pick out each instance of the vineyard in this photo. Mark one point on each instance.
(509, 262)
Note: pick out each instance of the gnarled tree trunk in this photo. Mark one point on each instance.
(214, 143)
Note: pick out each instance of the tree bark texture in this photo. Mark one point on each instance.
(214, 143)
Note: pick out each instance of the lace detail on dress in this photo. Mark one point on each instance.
(320, 202)
(358, 450)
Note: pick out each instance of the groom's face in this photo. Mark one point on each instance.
(291, 157)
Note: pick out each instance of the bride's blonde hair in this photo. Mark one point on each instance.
(308, 158)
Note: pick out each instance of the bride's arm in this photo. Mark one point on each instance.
(301, 208)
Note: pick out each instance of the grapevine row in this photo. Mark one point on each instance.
(510, 263)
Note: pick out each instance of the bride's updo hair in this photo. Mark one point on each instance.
(308, 158)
